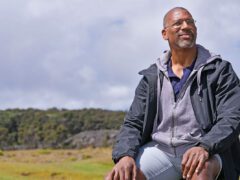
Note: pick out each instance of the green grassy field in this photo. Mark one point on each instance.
(86, 164)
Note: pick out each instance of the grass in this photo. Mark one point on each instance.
(89, 163)
(47, 164)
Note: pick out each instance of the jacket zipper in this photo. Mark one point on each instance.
(173, 119)
(173, 128)
(175, 103)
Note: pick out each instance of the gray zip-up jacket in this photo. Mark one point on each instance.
(176, 128)
(215, 96)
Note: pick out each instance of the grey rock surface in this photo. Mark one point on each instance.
(93, 138)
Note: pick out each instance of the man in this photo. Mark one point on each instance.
(184, 121)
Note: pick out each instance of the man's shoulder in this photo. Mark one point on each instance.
(221, 64)
(151, 70)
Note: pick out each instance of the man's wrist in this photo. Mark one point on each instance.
(205, 147)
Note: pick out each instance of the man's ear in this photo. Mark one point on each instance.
(164, 34)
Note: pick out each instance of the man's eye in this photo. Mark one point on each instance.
(191, 21)
(178, 23)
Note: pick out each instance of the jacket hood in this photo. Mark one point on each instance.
(204, 57)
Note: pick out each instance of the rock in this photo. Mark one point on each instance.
(94, 138)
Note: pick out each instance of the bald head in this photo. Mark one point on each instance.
(170, 12)
(179, 28)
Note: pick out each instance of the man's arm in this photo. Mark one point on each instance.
(227, 100)
(129, 138)
(227, 126)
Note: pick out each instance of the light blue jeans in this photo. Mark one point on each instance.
(157, 165)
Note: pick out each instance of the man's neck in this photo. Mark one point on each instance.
(183, 57)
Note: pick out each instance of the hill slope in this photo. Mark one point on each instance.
(56, 128)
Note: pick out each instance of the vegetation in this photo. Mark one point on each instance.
(90, 163)
(33, 128)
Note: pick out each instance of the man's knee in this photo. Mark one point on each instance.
(210, 170)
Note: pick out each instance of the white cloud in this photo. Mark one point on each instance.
(116, 92)
(77, 53)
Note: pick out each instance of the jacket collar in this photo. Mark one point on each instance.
(204, 57)
(203, 61)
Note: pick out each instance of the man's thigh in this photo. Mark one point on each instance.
(155, 164)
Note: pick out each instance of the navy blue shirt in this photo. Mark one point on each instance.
(178, 83)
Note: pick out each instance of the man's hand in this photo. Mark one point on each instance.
(125, 169)
(193, 161)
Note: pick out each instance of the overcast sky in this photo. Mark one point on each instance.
(87, 53)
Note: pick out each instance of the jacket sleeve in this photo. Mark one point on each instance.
(226, 128)
(129, 139)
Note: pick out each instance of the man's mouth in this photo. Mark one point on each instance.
(185, 36)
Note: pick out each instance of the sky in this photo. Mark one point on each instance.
(77, 54)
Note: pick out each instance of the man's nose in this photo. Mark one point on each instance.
(185, 25)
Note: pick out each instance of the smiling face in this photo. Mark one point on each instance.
(179, 29)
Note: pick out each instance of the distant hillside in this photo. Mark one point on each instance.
(56, 128)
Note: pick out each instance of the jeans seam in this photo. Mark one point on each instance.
(162, 170)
